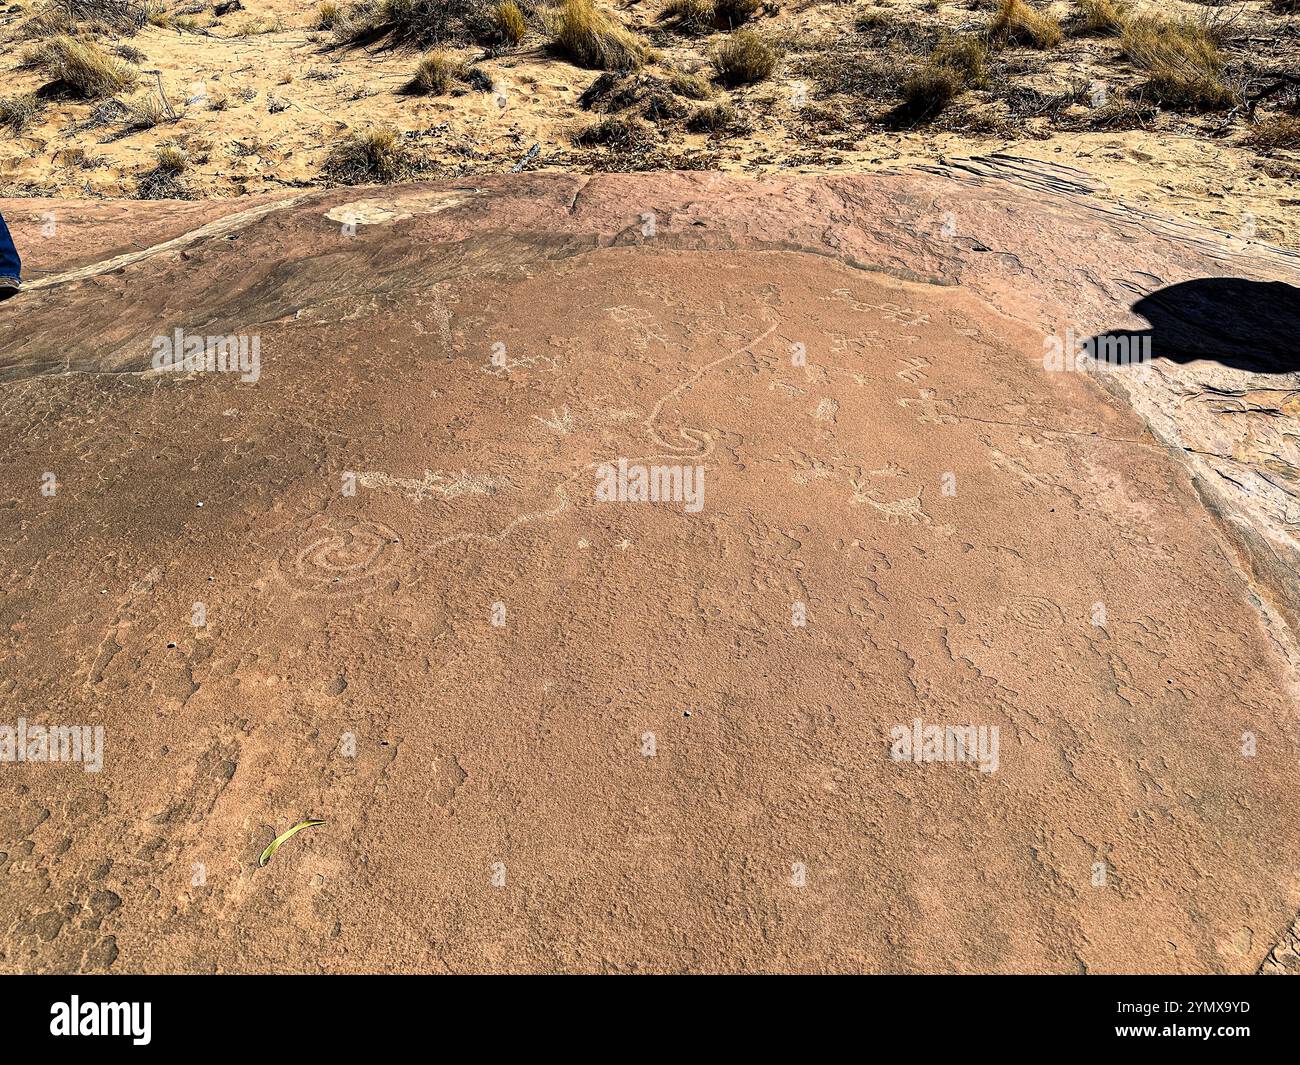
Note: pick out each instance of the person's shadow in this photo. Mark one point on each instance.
(1248, 325)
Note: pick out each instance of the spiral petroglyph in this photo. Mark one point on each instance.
(339, 556)
(1033, 612)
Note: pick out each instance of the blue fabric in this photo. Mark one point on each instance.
(10, 265)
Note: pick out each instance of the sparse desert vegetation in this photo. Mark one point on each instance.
(144, 113)
(956, 64)
(691, 86)
(689, 16)
(1281, 133)
(417, 23)
(743, 58)
(508, 25)
(163, 182)
(328, 15)
(1019, 22)
(436, 74)
(1181, 60)
(705, 16)
(1103, 16)
(733, 13)
(474, 86)
(94, 17)
(617, 131)
(591, 38)
(17, 112)
(81, 67)
(712, 118)
(373, 156)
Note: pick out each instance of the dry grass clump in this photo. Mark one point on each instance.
(712, 118)
(172, 158)
(1103, 16)
(617, 132)
(1120, 112)
(966, 54)
(689, 16)
(376, 156)
(478, 79)
(1280, 133)
(931, 88)
(742, 59)
(102, 17)
(80, 159)
(348, 24)
(705, 16)
(733, 13)
(436, 74)
(508, 23)
(353, 23)
(18, 112)
(875, 18)
(592, 39)
(157, 15)
(955, 65)
(50, 21)
(417, 23)
(259, 27)
(617, 92)
(145, 113)
(82, 67)
(163, 181)
(663, 107)
(1018, 23)
(1182, 62)
(125, 16)
(692, 86)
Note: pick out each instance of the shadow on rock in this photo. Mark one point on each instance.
(1248, 325)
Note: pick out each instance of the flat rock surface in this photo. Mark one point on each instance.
(549, 732)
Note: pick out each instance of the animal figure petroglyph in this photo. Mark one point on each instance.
(434, 484)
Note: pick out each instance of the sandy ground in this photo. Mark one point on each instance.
(262, 97)
(548, 732)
